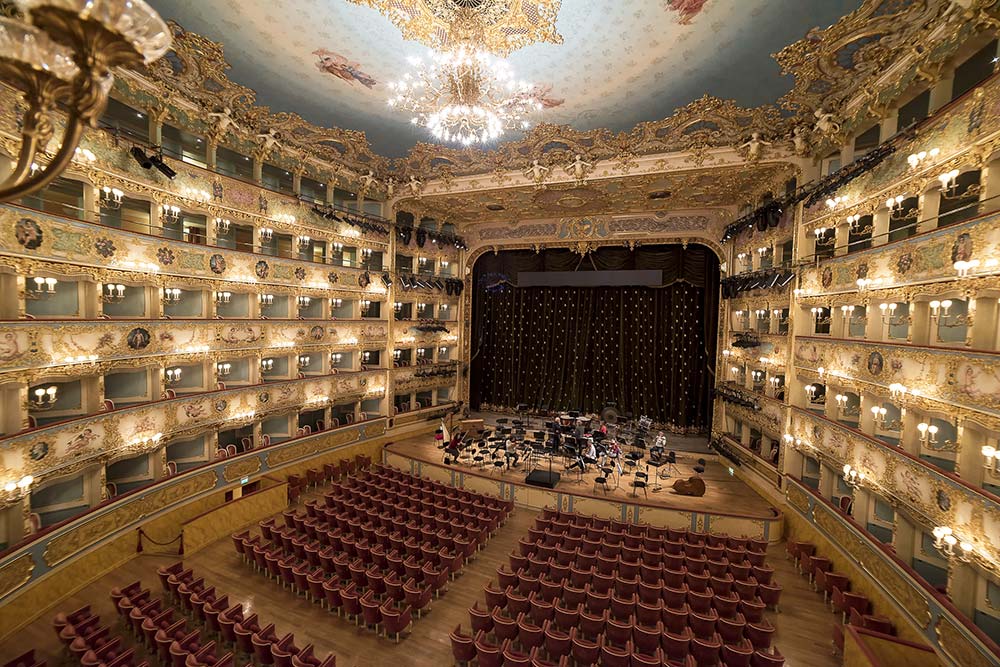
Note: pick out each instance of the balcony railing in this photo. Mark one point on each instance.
(944, 627)
(24, 563)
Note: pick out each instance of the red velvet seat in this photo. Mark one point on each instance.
(566, 617)
(760, 635)
(487, 654)
(736, 656)
(585, 652)
(463, 647)
(396, 620)
(706, 652)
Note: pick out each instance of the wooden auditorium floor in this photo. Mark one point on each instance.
(803, 625)
(724, 493)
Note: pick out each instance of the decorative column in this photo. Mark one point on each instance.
(847, 152)
(923, 330)
(91, 204)
(297, 180)
(211, 156)
(909, 436)
(331, 186)
(842, 236)
(929, 207)
(941, 92)
(880, 227)
(962, 584)
(889, 125)
(156, 117)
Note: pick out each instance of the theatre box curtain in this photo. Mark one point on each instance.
(648, 349)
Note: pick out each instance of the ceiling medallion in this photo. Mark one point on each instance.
(506, 25)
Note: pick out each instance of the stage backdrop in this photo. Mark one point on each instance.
(650, 349)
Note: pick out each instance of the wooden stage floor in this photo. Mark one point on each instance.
(803, 625)
(724, 493)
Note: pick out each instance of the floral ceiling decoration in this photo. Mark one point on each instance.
(507, 25)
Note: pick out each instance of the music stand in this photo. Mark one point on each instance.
(656, 464)
(524, 413)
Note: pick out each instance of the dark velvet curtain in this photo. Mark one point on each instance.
(649, 349)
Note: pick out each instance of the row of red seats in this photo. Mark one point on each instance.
(672, 569)
(854, 608)
(389, 518)
(321, 546)
(646, 549)
(212, 613)
(329, 472)
(577, 525)
(525, 642)
(621, 607)
(90, 643)
(427, 488)
(748, 594)
(337, 588)
(289, 569)
(375, 489)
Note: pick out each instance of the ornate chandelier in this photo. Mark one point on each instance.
(65, 51)
(464, 95)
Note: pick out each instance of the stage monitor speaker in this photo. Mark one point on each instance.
(542, 478)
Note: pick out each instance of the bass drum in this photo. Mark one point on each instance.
(610, 415)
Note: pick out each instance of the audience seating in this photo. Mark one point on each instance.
(378, 546)
(217, 636)
(854, 609)
(605, 592)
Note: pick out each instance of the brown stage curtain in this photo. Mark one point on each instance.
(648, 349)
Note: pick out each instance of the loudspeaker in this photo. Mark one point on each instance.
(543, 478)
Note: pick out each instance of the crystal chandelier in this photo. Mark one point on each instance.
(64, 51)
(464, 95)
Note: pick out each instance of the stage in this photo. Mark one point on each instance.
(729, 505)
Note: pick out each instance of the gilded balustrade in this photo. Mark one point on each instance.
(28, 563)
(70, 446)
(966, 134)
(30, 349)
(934, 497)
(939, 378)
(104, 253)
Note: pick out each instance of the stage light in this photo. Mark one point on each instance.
(140, 156)
(162, 166)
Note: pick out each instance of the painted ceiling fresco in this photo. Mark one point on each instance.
(620, 62)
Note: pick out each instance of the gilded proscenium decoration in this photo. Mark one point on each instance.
(694, 129)
(695, 189)
(500, 26)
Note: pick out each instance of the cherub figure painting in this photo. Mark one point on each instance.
(686, 9)
(339, 66)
